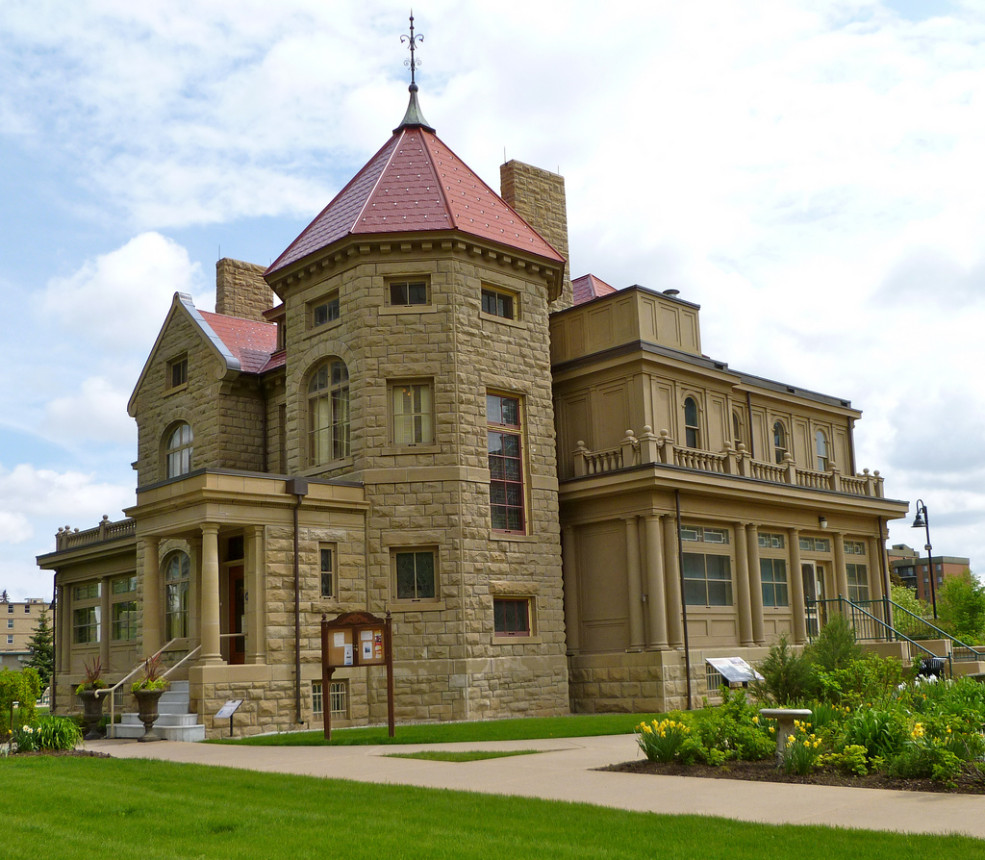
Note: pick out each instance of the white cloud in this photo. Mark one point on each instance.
(96, 412)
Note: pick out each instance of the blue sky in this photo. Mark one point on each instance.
(809, 172)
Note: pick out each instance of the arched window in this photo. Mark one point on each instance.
(737, 434)
(692, 430)
(821, 444)
(179, 451)
(779, 442)
(328, 412)
(177, 578)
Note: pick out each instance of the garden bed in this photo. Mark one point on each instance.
(971, 781)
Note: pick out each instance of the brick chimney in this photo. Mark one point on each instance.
(241, 291)
(537, 195)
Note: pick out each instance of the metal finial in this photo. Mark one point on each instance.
(412, 63)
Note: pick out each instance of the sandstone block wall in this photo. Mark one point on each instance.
(241, 291)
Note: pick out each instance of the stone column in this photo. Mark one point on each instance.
(572, 608)
(63, 628)
(656, 592)
(742, 584)
(840, 572)
(672, 583)
(152, 591)
(104, 623)
(797, 590)
(209, 595)
(876, 585)
(255, 579)
(755, 585)
(634, 585)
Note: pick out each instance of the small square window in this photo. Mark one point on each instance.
(414, 573)
(408, 293)
(178, 371)
(326, 310)
(498, 303)
(326, 567)
(511, 616)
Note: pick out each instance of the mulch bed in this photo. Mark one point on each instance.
(970, 782)
(62, 753)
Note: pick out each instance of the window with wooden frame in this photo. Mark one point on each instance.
(178, 371)
(512, 616)
(411, 412)
(692, 425)
(821, 450)
(326, 568)
(507, 506)
(779, 442)
(414, 573)
(500, 303)
(328, 412)
(178, 451)
(87, 613)
(408, 292)
(123, 609)
(324, 310)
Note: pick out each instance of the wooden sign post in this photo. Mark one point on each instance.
(355, 639)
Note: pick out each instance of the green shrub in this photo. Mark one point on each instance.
(882, 732)
(22, 687)
(56, 733)
(733, 730)
(835, 647)
(788, 677)
(866, 679)
(924, 757)
(852, 759)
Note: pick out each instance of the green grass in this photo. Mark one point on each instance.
(79, 807)
(469, 755)
(576, 726)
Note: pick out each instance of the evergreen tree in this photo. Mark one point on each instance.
(42, 647)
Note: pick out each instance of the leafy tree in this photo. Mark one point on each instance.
(904, 596)
(42, 647)
(961, 607)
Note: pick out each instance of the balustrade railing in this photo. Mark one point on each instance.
(69, 538)
(660, 449)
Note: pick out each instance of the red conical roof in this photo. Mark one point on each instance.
(416, 183)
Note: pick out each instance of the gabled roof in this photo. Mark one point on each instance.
(416, 183)
(588, 287)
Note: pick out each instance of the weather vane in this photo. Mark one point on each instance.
(410, 40)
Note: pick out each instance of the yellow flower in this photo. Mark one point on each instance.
(647, 729)
(772, 730)
(755, 719)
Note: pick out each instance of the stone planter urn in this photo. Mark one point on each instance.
(92, 713)
(147, 712)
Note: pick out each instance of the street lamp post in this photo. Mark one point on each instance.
(922, 520)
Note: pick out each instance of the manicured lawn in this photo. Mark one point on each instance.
(79, 807)
(576, 726)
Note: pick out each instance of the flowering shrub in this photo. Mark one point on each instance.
(803, 751)
(47, 733)
(662, 741)
(25, 739)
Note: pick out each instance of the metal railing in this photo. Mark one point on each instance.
(870, 628)
(111, 691)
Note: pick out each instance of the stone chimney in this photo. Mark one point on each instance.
(537, 195)
(241, 291)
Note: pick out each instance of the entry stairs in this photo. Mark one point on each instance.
(174, 723)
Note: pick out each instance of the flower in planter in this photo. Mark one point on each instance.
(153, 676)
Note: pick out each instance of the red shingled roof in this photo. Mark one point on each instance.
(588, 287)
(416, 183)
(251, 342)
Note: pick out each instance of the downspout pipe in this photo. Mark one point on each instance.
(299, 488)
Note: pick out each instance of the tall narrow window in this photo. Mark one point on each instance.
(178, 371)
(505, 446)
(328, 413)
(773, 577)
(326, 562)
(779, 442)
(177, 579)
(179, 451)
(414, 574)
(738, 436)
(821, 443)
(411, 413)
(858, 582)
(86, 613)
(692, 431)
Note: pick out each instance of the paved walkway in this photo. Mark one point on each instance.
(566, 770)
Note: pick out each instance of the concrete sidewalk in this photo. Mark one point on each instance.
(566, 770)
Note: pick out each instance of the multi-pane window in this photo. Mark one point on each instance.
(179, 451)
(177, 579)
(812, 544)
(692, 430)
(338, 699)
(10, 638)
(773, 575)
(178, 371)
(325, 310)
(779, 442)
(86, 613)
(858, 582)
(511, 616)
(821, 446)
(854, 547)
(326, 566)
(328, 412)
(412, 411)
(704, 534)
(737, 428)
(505, 448)
(707, 580)
(498, 304)
(770, 540)
(415, 575)
(10, 623)
(408, 293)
(123, 610)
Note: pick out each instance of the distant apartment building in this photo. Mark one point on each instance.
(911, 568)
(18, 621)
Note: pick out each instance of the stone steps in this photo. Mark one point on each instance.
(174, 723)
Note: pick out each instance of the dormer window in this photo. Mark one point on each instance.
(178, 372)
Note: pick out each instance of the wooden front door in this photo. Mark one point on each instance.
(237, 611)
